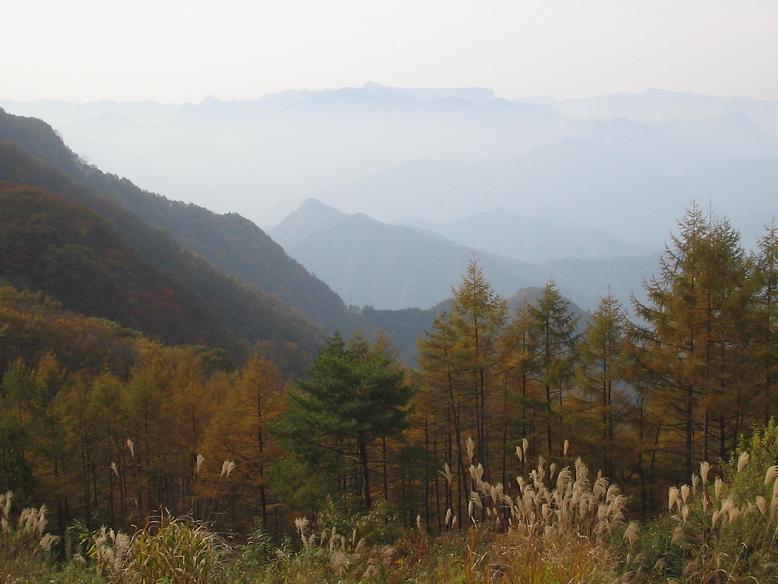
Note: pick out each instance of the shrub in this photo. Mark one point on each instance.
(722, 528)
(167, 549)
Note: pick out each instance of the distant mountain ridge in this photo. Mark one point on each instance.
(394, 267)
(630, 179)
(658, 105)
(504, 232)
(293, 144)
(439, 154)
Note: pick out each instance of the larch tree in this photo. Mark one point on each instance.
(238, 432)
(766, 316)
(440, 397)
(600, 367)
(478, 318)
(693, 347)
(669, 353)
(553, 330)
(520, 347)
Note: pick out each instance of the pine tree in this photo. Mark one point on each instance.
(351, 396)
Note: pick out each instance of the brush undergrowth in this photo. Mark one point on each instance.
(561, 525)
(25, 546)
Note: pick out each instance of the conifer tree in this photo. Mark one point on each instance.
(553, 329)
(440, 398)
(669, 353)
(693, 352)
(351, 396)
(766, 315)
(478, 318)
(600, 367)
(238, 431)
(522, 366)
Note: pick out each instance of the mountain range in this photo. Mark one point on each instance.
(534, 189)
(178, 272)
(627, 178)
(385, 266)
(626, 164)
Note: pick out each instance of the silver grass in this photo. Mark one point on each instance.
(770, 475)
(704, 470)
(632, 533)
(470, 445)
(742, 460)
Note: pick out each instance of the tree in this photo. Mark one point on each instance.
(440, 398)
(692, 352)
(767, 318)
(352, 395)
(478, 317)
(18, 393)
(238, 430)
(600, 366)
(553, 329)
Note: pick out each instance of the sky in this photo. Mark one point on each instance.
(183, 51)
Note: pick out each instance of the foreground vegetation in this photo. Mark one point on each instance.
(564, 525)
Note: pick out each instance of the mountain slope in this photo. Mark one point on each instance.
(75, 256)
(247, 313)
(230, 242)
(376, 264)
(391, 266)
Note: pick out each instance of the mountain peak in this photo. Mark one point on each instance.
(312, 203)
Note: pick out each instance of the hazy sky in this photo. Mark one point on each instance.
(185, 50)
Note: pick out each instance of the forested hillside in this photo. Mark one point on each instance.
(231, 243)
(72, 254)
(248, 314)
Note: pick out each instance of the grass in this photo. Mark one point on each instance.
(563, 526)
